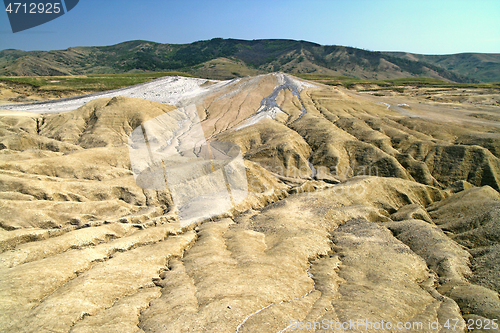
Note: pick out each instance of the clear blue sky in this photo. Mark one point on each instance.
(418, 26)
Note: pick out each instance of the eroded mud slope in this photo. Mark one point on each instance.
(354, 211)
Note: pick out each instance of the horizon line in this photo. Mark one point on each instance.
(258, 39)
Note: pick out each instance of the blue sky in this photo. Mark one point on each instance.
(418, 26)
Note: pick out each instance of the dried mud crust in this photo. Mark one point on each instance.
(84, 249)
(310, 257)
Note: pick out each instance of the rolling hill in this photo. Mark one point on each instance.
(227, 58)
(480, 66)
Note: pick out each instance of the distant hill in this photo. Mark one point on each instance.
(483, 67)
(225, 58)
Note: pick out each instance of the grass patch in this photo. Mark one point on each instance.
(91, 82)
(102, 82)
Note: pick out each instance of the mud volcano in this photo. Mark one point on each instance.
(330, 207)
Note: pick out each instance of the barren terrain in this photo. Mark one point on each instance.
(361, 205)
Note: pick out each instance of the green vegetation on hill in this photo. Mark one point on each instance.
(251, 56)
(479, 66)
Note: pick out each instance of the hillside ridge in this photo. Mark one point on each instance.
(227, 58)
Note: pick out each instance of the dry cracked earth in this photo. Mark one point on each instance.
(356, 210)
